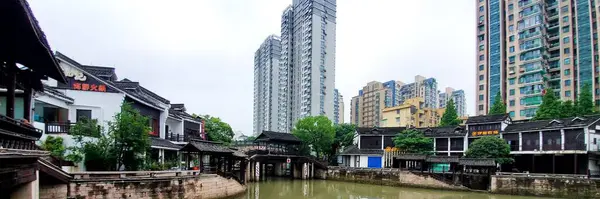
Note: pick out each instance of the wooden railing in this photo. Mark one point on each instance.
(132, 175)
(58, 127)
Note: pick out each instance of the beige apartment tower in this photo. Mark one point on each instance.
(525, 46)
(365, 109)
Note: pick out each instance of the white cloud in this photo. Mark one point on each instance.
(201, 52)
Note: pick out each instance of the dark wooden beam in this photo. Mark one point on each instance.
(27, 104)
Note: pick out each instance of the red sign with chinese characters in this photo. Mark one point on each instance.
(89, 87)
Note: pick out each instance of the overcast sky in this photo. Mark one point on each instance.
(201, 52)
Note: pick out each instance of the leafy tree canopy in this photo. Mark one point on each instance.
(217, 130)
(344, 137)
(585, 101)
(55, 146)
(490, 147)
(316, 132)
(413, 141)
(450, 117)
(499, 107)
(550, 107)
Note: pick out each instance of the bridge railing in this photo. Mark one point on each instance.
(545, 175)
(132, 175)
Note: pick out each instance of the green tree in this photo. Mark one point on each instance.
(316, 132)
(83, 131)
(567, 109)
(499, 107)
(450, 117)
(344, 137)
(217, 130)
(550, 107)
(55, 146)
(413, 141)
(130, 133)
(490, 147)
(585, 101)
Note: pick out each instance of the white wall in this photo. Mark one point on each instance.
(175, 126)
(364, 161)
(104, 106)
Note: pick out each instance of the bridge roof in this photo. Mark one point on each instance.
(205, 146)
(271, 136)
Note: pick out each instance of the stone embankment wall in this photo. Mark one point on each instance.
(550, 185)
(53, 191)
(391, 177)
(204, 186)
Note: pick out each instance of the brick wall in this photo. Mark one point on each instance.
(206, 186)
(392, 177)
(53, 191)
(562, 187)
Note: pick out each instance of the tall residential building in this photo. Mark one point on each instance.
(307, 68)
(425, 88)
(266, 85)
(338, 107)
(526, 46)
(365, 108)
(458, 96)
(392, 96)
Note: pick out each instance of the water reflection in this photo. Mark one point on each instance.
(322, 189)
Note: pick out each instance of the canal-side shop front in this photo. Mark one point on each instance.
(560, 146)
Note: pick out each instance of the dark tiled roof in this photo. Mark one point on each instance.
(526, 125)
(380, 130)
(134, 89)
(101, 71)
(277, 136)
(205, 146)
(159, 142)
(486, 119)
(410, 156)
(238, 153)
(442, 159)
(354, 150)
(178, 110)
(477, 162)
(443, 131)
(53, 91)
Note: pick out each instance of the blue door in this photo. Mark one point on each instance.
(374, 162)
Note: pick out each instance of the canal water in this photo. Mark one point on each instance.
(323, 189)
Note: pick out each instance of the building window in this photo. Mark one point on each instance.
(510, 17)
(481, 57)
(511, 59)
(567, 61)
(511, 28)
(512, 114)
(511, 103)
(510, 6)
(480, 87)
(568, 82)
(564, 9)
(567, 51)
(566, 40)
(397, 119)
(511, 49)
(481, 107)
(480, 77)
(565, 19)
(511, 81)
(567, 71)
(480, 8)
(565, 29)
(511, 92)
(511, 38)
(83, 114)
(481, 47)
(481, 18)
(480, 67)
(480, 97)
(567, 93)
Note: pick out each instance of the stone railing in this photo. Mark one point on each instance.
(132, 175)
(540, 175)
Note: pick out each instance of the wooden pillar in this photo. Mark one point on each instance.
(230, 169)
(27, 105)
(575, 164)
(187, 160)
(11, 81)
(533, 163)
(553, 164)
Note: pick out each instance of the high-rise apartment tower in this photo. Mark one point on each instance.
(266, 85)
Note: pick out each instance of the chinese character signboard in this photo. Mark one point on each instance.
(77, 80)
(483, 133)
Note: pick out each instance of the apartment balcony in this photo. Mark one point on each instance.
(553, 25)
(552, 16)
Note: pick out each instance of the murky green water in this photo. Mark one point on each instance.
(322, 189)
